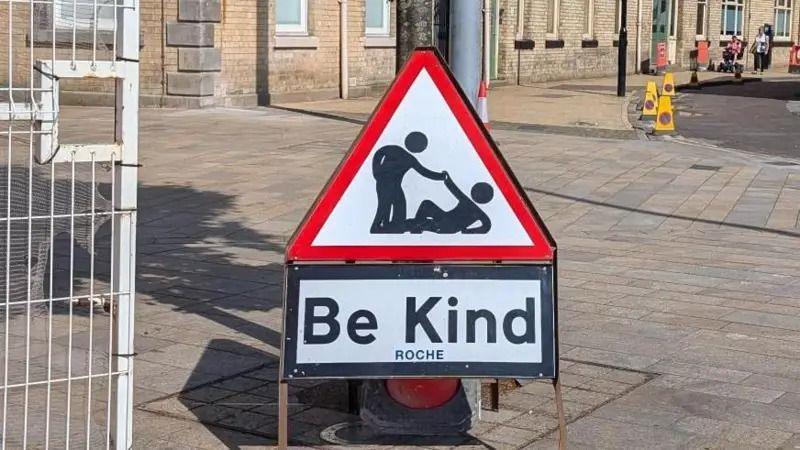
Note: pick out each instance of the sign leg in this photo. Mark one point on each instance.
(562, 421)
(495, 391)
(352, 396)
(283, 415)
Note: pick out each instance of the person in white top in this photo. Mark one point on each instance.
(760, 49)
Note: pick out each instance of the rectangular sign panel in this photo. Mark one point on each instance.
(378, 321)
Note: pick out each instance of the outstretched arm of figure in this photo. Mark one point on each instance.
(451, 186)
(483, 228)
(427, 173)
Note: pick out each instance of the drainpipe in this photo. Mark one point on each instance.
(487, 39)
(745, 33)
(162, 100)
(344, 73)
(638, 36)
(519, 35)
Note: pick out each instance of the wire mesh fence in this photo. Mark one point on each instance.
(67, 227)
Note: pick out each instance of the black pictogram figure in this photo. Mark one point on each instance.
(389, 165)
(462, 218)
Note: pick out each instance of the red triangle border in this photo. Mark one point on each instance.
(300, 246)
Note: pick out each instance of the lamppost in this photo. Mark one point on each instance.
(622, 57)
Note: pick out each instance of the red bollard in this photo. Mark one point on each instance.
(794, 59)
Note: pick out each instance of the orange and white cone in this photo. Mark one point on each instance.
(483, 106)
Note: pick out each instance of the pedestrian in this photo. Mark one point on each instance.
(760, 49)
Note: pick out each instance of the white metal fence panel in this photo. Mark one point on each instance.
(67, 227)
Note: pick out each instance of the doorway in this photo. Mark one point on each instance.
(672, 40)
(494, 39)
(660, 31)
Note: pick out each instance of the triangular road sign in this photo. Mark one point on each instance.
(423, 182)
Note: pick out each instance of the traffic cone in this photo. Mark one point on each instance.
(694, 82)
(483, 106)
(652, 89)
(649, 107)
(665, 117)
(668, 85)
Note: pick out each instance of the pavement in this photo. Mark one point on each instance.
(582, 107)
(679, 287)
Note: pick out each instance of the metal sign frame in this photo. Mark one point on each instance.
(349, 260)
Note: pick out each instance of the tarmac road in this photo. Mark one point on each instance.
(753, 117)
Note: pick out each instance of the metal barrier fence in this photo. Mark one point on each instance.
(67, 227)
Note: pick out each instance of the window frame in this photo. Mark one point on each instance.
(104, 24)
(704, 30)
(588, 25)
(787, 8)
(672, 29)
(386, 29)
(739, 6)
(300, 29)
(554, 13)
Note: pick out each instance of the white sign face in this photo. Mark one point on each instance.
(388, 321)
(423, 184)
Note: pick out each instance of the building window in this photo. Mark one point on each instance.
(732, 17)
(673, 19)
(783, 19)
(377, 20)
(588, 19)
(292, 16)
(81, 15)
(700, 27)
(552, 17)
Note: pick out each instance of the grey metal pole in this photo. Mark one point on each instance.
(465, 60)
(465, 45)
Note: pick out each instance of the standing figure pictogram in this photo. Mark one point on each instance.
(389, 165)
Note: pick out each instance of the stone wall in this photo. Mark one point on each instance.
(308, 67)
(571, 53)
(756, 13)
(198, 53)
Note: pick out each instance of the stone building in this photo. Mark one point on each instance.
(562, 39)
(199, 53)
(578, 38)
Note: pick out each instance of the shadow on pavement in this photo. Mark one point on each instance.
(198, 259)
(195, 258)
(775, 90)
(244, 404)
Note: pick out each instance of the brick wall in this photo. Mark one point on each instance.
(571, 53)
(372, 61)
(242, 38)
(254, 67)
(94, 91)
(313, 73)
(759, 12)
